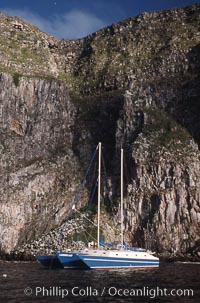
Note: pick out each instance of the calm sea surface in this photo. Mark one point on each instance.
(29, 282)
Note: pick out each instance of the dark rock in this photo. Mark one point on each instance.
(134, 84)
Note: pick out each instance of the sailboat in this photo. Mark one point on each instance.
(101, 258)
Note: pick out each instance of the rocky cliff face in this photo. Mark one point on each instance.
(162, 196)
(39, 170)
(136, 84)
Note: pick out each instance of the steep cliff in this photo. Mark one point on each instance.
(136, 84)
(162, 195)
(39, 170)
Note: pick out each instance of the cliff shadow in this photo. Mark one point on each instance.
(96, 121)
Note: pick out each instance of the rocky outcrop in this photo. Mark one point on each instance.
(134, 84)
(162, 195)
(39, 171)
(148, 46)
(66, 237)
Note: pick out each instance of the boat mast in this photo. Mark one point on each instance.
(122, 210)
(99, 191)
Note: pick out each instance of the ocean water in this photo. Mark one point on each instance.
(22, 282)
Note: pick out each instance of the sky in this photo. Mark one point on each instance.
(72, 19)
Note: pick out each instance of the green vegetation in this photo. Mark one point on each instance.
(16, 78)
(163, 130)
(109, 56)
(86, 229)
(74, 81)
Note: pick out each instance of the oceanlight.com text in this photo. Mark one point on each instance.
(89, 291)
